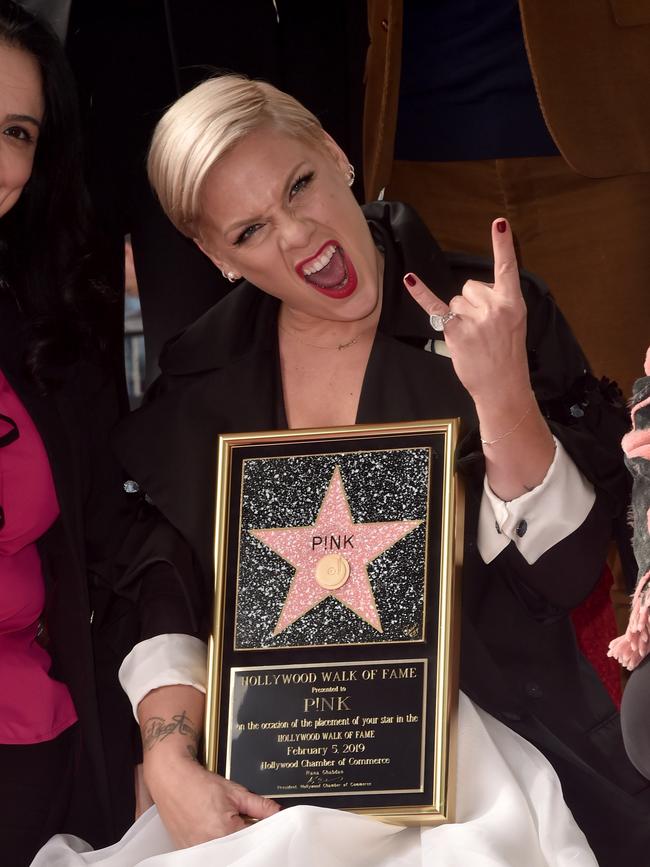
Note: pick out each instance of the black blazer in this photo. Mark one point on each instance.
(74, 422)
(519, 658)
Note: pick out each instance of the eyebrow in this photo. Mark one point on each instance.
(251, 220)
(24, 118)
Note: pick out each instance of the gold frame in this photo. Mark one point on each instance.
(441, 808)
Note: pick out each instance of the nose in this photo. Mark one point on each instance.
(295, 230)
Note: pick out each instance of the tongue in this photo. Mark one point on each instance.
(332, 275)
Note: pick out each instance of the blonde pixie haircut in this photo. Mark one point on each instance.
(202, 126)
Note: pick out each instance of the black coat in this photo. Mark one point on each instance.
(519, 657)
(81, 621)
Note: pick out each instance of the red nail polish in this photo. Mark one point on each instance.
(410, 280)
(502, 226)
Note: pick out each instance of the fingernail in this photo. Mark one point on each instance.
(410, 279)
(502, 226)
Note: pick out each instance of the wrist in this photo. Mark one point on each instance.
(499, 412)
(507, 431)
(169, 739)
(163, 763)
(174, 748)
(508, 396)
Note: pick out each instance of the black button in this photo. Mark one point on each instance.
(522, 526)
(533, 690)
(576, 411)
(497, 527)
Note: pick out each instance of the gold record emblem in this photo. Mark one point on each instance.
(332, 571)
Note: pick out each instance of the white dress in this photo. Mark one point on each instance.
(509, 809)
(510, 813)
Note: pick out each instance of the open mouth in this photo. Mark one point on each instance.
(330, 271)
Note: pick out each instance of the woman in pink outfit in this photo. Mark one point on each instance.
(57, 489)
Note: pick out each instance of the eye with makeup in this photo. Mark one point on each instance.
(19, 133)
(301, 184)
(248, 232)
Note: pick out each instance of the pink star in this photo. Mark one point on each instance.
(333, 533)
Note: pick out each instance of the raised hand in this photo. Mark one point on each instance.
(487, 337)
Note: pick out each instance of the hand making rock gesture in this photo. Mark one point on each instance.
(485, 326)
(485, 332)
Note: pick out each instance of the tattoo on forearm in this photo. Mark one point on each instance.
(156, 729)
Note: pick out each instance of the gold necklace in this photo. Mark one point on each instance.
(317, 346)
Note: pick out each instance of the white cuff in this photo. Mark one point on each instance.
(164, 660)
(438, 347)
(539, 518)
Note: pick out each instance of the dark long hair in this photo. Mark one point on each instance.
(44, 239)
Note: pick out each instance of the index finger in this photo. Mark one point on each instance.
(506, 271)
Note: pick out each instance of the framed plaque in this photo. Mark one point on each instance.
(333, 656)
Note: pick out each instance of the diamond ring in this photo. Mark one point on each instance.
(438, 322)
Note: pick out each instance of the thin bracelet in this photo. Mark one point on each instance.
(512, 429)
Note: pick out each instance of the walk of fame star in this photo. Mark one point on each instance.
(331, 557)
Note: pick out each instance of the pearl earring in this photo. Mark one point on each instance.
(349, 175)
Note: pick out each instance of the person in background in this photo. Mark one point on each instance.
(631, 649)
(537, 110)
(66, 760)
(132, 60)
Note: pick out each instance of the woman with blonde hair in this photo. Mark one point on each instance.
(333, 324)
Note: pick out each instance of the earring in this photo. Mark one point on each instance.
(230, 276)
(349, 175)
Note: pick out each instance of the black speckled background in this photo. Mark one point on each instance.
(390, 485)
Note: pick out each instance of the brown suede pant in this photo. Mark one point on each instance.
(588, 239)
